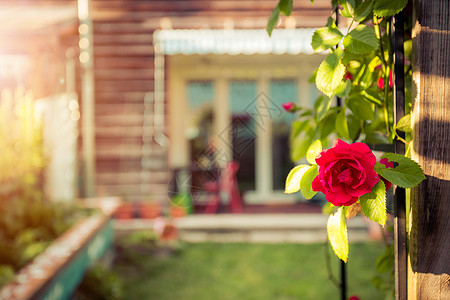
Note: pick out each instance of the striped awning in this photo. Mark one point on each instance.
(234, 41)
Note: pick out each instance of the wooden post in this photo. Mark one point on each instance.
(87, 95)
(429, 257)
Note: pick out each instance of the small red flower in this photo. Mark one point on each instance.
(346, 172)
(381, 81)
(288, 106)
(388, 164)
(348, 75)
(354, 297)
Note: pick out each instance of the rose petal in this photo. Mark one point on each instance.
(317, 185)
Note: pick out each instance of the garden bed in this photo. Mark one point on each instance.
(56, 272)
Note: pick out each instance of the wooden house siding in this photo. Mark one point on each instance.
(124, 71)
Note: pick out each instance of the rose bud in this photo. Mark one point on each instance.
(388, 164)
(288, 106)
(354, 297)
(346, 172)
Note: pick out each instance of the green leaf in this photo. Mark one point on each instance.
(363, 10)
(330, 73)
(354, 127)
(361, 108)
(328, 124)
(285, 7)
(337, 234)
(373, 204)
(404, 124)
(406, 174)
(306, 182)
(344, 89)
(348, 8)
(387, 8)
(341, 125)
(385, 261)
(294, 177)
(313, 151)
(273, 20)
(325, 38)
(361, 40)
(321, 107)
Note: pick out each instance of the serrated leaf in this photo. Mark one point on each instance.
(361, 108)
(273, 20)
(306, 182)
(330, 73)
(294, 177)
(348, 8)
(313, 151)
(387, 8)
(285, 7)
(325, 38)
(363, 10)
(321, 107)
(337, 234)
(361, 40)
(373, 204)
(406, 174)
(341, 125)
(404, 124)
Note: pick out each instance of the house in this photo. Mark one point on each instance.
(173, 79)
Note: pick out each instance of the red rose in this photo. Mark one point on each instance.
(353, 298)
(388, 164)
(346, 172)
(288, 106)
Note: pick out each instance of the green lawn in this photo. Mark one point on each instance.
(245, 271)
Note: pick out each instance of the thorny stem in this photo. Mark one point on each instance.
(328, 264)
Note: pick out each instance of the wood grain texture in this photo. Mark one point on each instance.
(430, 202)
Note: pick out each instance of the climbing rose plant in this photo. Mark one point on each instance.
(349, 175)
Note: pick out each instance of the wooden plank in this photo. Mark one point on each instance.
(124, 62)
(430, 224)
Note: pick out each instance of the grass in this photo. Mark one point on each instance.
(245, 271)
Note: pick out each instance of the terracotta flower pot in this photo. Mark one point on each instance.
(149, 210)
(124, 211)
(177, 211)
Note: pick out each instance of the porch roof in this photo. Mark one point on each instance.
(234, 41)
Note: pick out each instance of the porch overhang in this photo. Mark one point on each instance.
(234, 41)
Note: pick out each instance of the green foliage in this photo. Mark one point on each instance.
(28, 226)
(285, 7)
(387, 8)
(373, 204)
(326, 38)
(273, 20)
(330, 73)
(306, 180)
(406, 174)
(404, 124)
(313, 151)
(294, 177)
(100, 283)
(337, 233)
(361, 40)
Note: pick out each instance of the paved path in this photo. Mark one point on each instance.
(251, 228)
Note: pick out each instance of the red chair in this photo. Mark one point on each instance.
(226, 185)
